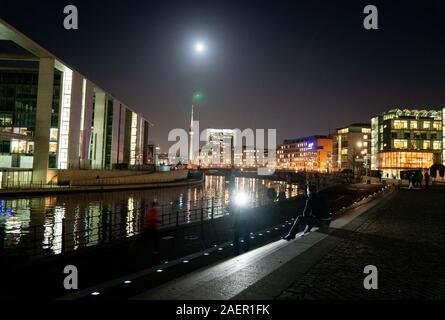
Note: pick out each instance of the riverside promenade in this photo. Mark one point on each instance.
(401, 233)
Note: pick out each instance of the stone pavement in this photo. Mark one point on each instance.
(404, 239)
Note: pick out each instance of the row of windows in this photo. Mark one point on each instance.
(405, 160)
(14, 91)
(410, 144)
(417, 124)
(15, 77)
(18, 102)
(415, 135)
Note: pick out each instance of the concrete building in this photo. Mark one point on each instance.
(407, 139)
(352, 147)
(53, 118)
(306, 154)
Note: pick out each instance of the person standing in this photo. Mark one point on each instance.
(411, 181)
(151, 222)
(427, 180)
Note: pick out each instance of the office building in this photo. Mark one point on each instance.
(218, 148)
(54, 118)
(352, 148)
(407, 139)
(306, 154)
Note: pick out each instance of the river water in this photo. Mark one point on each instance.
(39, 219)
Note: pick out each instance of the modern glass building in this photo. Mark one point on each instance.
(407, 139)
(53, 118)
(218, 150)
(352, 147)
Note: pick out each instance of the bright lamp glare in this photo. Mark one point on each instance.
(241, 199)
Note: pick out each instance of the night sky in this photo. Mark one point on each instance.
(302, 67)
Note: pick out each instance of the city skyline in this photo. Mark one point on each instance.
(205, 151)
(307, 61)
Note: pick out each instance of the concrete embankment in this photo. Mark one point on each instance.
(133, 182)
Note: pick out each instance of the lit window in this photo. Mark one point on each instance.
(413, 125)
(427, 145)
(400, 124)
(426, 125)
(53, 147)
(400, 144)
(54, 134)
(437, 125)
(437, 145)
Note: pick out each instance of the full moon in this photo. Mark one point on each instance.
(200, 47)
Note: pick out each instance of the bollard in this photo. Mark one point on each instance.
(63, 236)
(177, 218)
(213, 207)
(103, 226)
(110, 226)
(2, 242)
(202, 215)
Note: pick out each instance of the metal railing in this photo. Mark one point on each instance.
(20, 185)
(108, 227)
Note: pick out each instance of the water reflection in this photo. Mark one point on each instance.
(91, 218)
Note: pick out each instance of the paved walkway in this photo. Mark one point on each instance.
(404, 239)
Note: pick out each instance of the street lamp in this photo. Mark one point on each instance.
(364, 153)
(241, 200)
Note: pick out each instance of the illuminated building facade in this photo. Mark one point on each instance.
(352, 147)
(252, 158)
(406, 140)
(218, 149)
(53, 118)
(306, 154)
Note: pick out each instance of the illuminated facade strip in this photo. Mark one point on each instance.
(133, 141)
(64, 126)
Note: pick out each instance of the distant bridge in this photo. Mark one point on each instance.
(279, 174)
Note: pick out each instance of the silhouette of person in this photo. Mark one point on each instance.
(316, 213)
